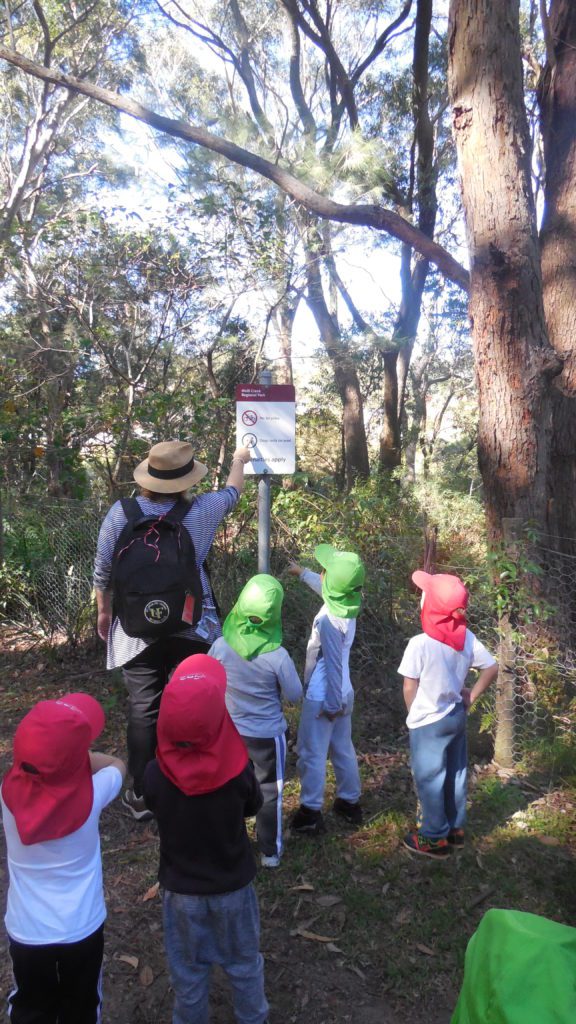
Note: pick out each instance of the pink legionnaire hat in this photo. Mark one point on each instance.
(444, 594)
(49, 787)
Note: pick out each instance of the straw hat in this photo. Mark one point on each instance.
(169, 468)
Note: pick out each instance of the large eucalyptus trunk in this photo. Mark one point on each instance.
(514, 360)
(557, 98)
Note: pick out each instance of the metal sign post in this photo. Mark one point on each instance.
(264, 503)
(264, 524)
(266, 424)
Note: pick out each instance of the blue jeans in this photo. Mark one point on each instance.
(438, 757)
(221, 929)
(319, 738)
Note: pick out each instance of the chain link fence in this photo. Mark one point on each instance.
(49, 548)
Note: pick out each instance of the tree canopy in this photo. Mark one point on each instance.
(323, 121)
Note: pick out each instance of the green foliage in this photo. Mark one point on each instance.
(15, 587)
(555, 758)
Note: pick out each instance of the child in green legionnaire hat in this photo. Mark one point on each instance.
(520, 969)
(260, 674)
(326, 721)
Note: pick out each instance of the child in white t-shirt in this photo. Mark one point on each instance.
(435, 666)
(51, 801)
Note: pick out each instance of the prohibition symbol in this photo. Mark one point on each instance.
(249, 418)
(250, 440)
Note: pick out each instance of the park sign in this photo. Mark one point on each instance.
(266, 425)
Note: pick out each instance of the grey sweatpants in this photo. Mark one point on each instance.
(318, 739)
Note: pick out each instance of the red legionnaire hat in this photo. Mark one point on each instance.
(199, 747)
(444, 594)
(49, 788)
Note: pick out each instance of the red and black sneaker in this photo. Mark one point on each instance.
(455, 837)
(417, 843)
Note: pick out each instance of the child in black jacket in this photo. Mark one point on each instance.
(201, 787)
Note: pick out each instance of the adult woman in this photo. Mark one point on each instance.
(166, 475)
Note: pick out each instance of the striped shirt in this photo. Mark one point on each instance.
(206, 513)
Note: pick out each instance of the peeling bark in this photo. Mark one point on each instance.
(557, 99)
(514, 360)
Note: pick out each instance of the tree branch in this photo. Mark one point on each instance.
(365, 215)
(547, 33)
(380, 43)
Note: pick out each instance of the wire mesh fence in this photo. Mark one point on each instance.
(528, 621)
(51, 546)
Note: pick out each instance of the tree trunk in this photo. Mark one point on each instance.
(390, 440)
(357, 466)
(284, 322)
(514, 360)
(397, 362)
(557, 99)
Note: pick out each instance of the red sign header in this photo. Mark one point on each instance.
(265, 393)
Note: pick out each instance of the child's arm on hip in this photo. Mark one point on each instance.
(485, 679)
(331, 641)
(410, 691)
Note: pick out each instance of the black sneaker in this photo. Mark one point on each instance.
(456, 837)
(136, 806)
(352, 813)
(307, 822)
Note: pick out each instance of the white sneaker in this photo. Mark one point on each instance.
(272, 861)
(136, 806)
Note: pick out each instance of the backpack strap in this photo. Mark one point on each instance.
(179, 510)
(133, 512)
(206, 568)
(131, 509)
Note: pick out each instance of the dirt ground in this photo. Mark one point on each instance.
(346, 933)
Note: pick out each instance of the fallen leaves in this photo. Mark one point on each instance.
(404, 916)
(425, 949)
(125, 958)
(303, 933)
(328, 901)
(151, 893)
(484, 893)
(146, 976)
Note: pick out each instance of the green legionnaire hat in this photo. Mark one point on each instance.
(519, 969)
(254, 626)
(343, 580)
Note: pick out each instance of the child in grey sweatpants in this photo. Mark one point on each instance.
(326, 722)
(260, 674)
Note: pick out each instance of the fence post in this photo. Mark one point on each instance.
(506, 682)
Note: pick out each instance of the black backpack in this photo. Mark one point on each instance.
(156, 585)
